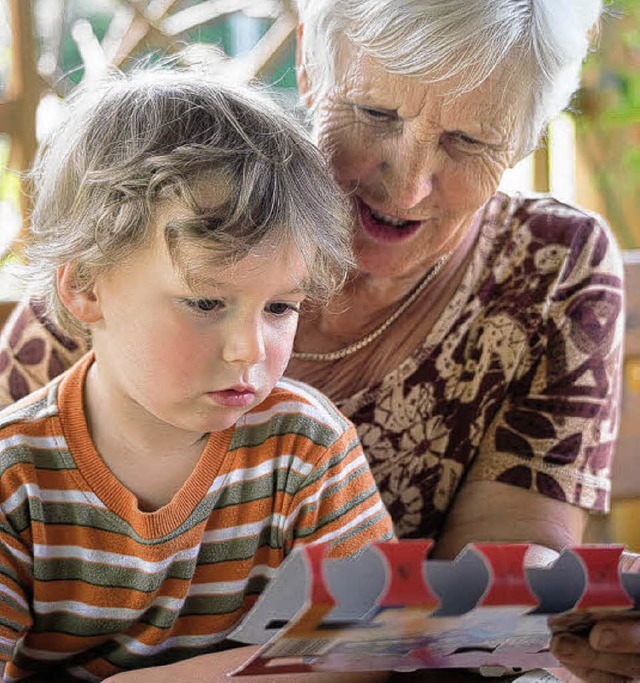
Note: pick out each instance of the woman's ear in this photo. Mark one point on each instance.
(82, 304)
(302, 75)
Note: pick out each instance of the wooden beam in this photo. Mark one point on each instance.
(143, 25)
(271, 46)
(203, 12)
(93, 57)
(23, 90)
(541, 182)
(9, 115)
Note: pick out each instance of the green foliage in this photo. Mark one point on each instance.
(9, 181)
(609, 119)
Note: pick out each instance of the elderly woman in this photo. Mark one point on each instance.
(477, 347)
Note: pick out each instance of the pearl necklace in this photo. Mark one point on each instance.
(366, 340)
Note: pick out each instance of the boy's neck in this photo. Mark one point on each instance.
(151, 461)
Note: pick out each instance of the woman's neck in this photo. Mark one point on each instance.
(368, 300)
(365, 303)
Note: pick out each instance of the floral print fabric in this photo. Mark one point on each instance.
(33, 350)
(517, 382)
(519, 379)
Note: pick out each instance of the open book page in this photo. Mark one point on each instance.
(390, 608)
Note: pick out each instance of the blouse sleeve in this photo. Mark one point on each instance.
(33, 350)
(556, 430)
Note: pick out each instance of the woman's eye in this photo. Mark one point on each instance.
(377, 114)
(204, 305)
(281, 308)
(466, 142)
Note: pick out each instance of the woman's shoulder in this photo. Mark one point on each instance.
(549, 217)
(549, 227)
(544, 203)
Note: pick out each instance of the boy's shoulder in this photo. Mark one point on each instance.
(30, 438)
(311, 401)
(296, 407)
(32, 409)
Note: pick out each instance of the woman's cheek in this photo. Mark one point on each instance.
(357, 160)
(347, 144)
(467, 184)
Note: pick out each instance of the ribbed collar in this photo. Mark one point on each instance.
(99, 478)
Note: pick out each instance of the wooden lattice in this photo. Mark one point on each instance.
(137, 26)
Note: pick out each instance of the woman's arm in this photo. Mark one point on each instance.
(498, 512)
(493, 511)
(33, 350)
(544, 458)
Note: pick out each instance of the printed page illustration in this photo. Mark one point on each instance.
(392, 609)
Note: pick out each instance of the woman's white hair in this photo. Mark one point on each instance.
(544, 41)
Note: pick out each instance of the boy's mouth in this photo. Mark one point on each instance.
(234, 397)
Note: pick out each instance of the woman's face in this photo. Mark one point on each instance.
(418, 162)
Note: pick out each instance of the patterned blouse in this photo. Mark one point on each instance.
(518, 381)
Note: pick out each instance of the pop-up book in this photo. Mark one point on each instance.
(392, 609)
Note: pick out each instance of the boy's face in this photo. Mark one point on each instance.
(195, 358)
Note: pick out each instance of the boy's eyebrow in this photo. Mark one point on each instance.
(296, 290)
(205, 281)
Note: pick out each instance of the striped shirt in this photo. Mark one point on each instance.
(90, 585)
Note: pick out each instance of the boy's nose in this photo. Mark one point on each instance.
(245, 344)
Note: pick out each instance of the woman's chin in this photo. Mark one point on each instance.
(393, 257)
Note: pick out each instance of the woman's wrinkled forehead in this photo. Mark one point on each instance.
(355, 67)
(496, 104)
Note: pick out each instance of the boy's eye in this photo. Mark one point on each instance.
(280, 308)
(204, 305)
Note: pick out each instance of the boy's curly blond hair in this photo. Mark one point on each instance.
(133, 140)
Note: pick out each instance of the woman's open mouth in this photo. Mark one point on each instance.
(383, 227)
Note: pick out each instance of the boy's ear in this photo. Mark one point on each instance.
(83, 305)
(302, 75)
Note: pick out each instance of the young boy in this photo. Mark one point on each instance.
(149, 493)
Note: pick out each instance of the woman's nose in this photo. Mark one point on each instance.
(409, 190)
(244, 343)
(409, 173)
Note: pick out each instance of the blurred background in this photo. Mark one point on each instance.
(591, 154)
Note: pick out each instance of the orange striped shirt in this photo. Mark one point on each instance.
(91, 585)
